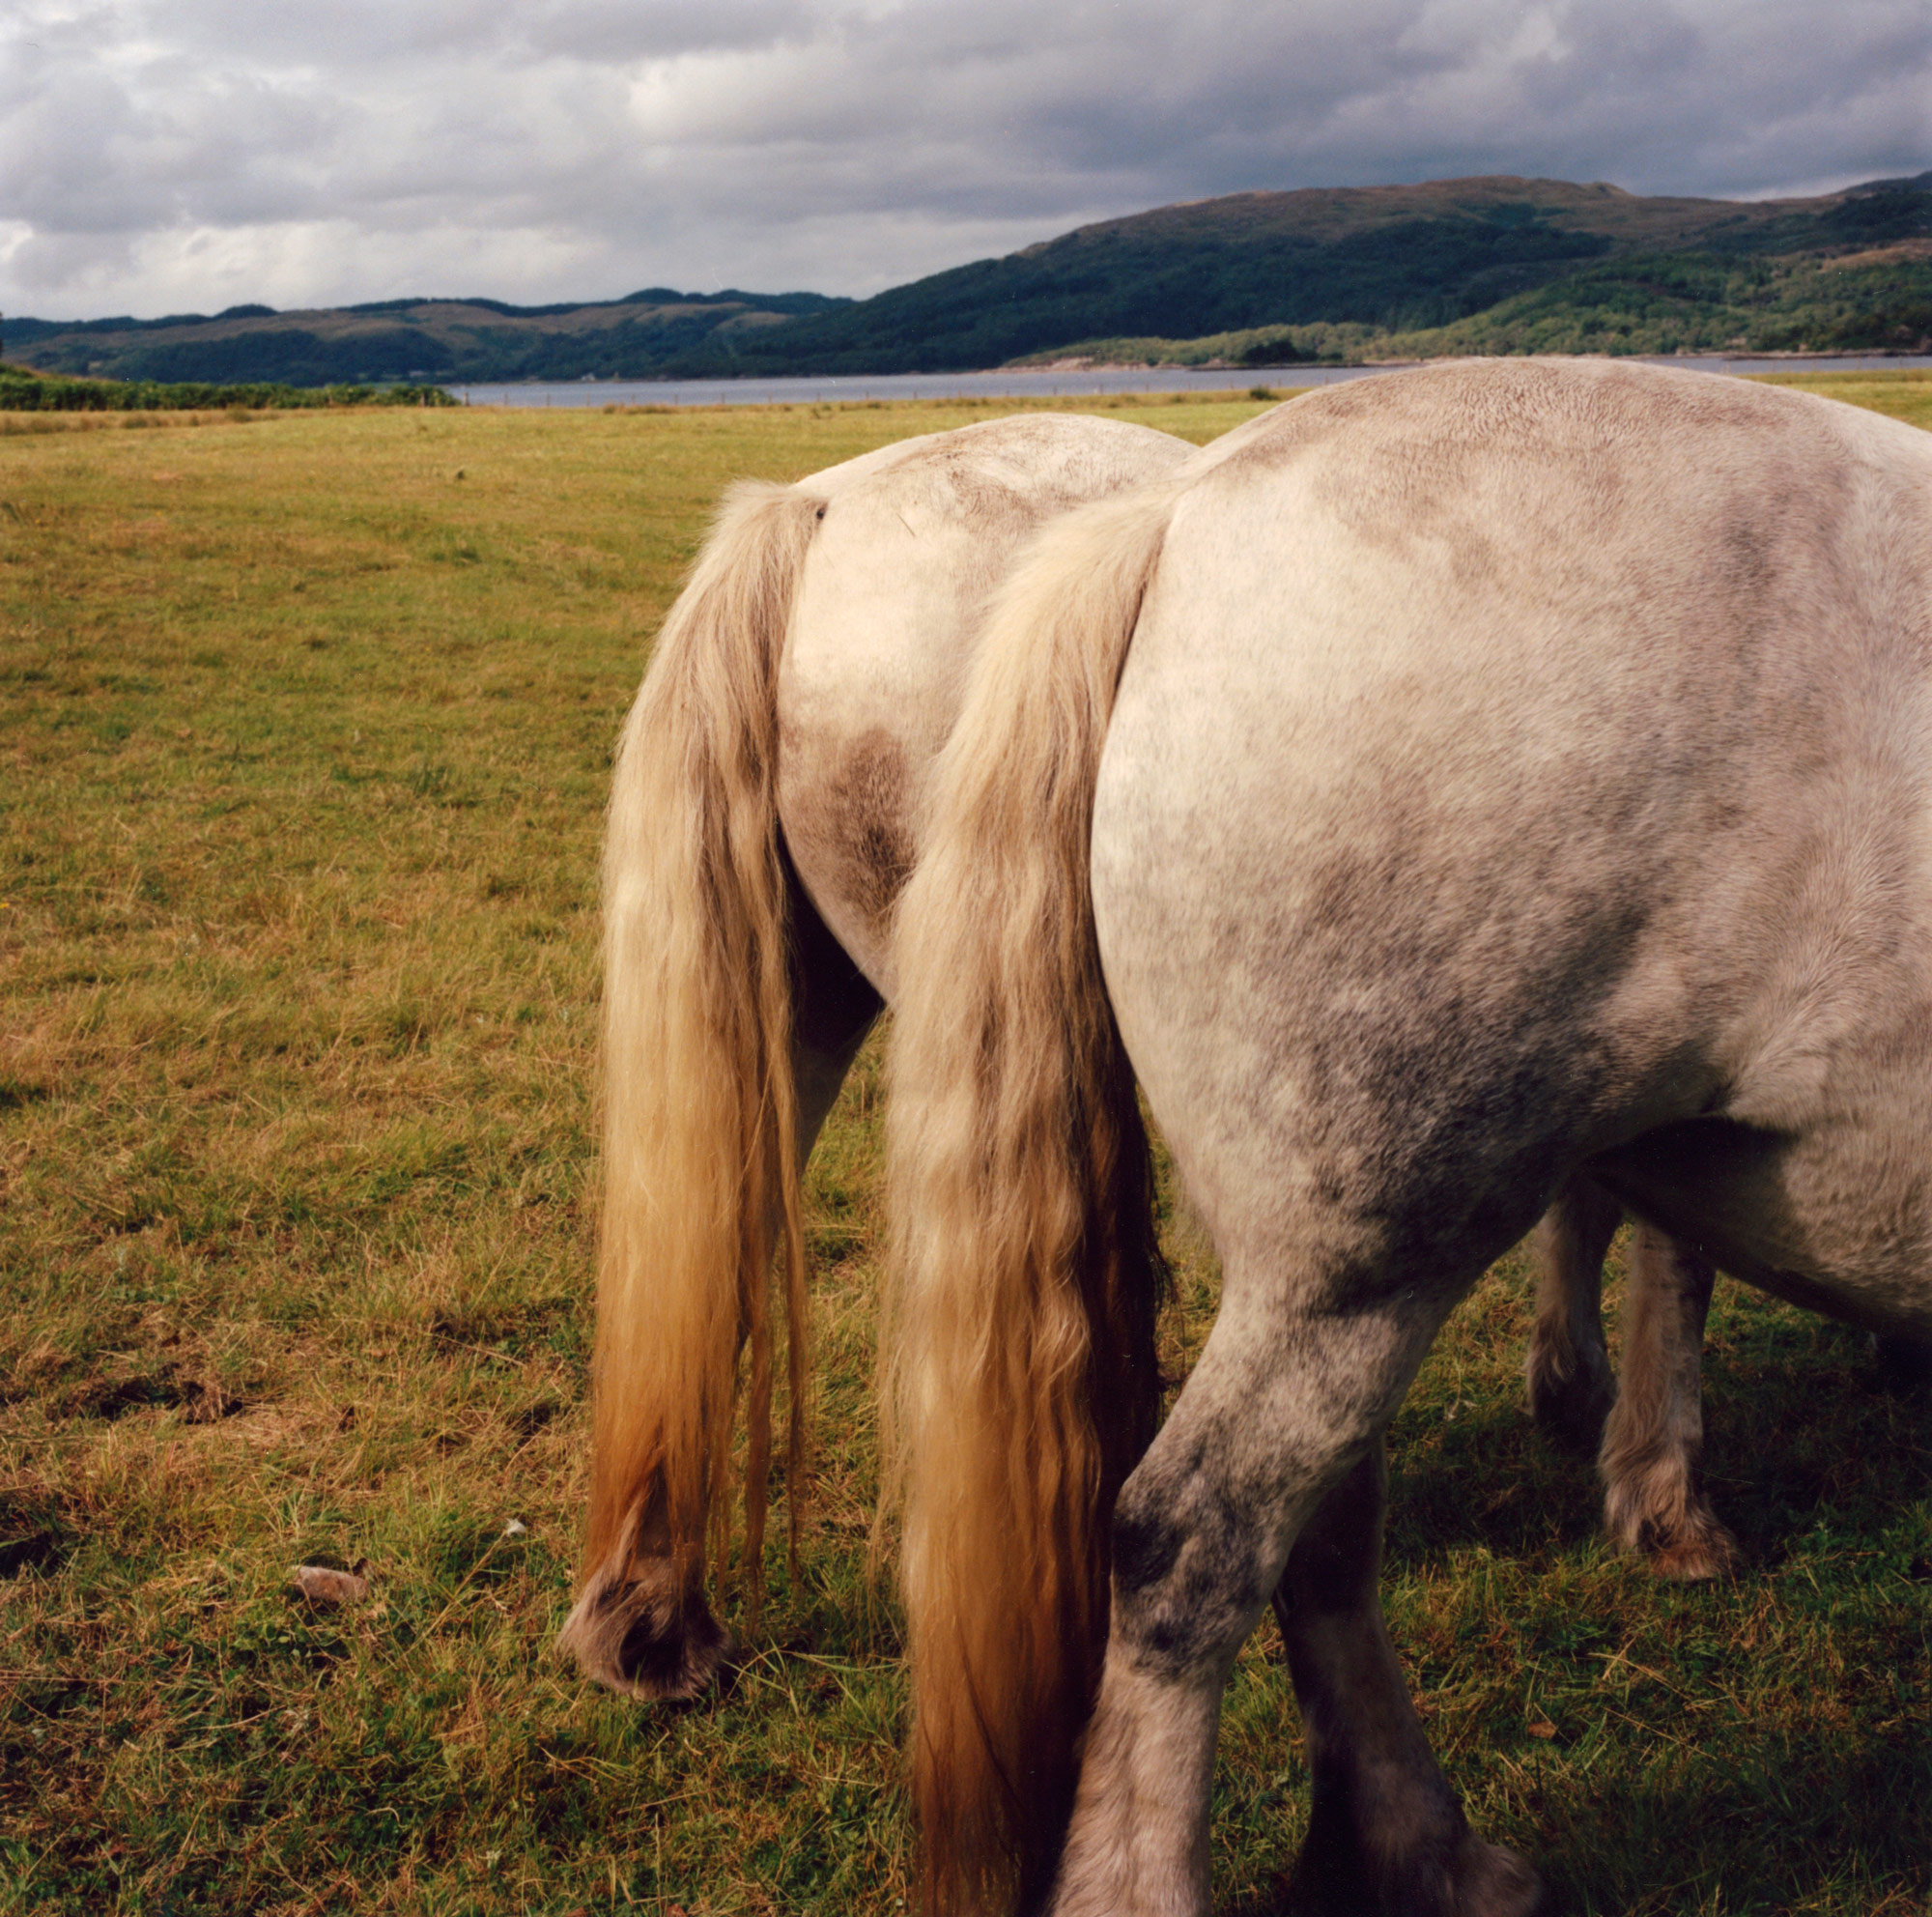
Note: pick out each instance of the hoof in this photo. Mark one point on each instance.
(1692, 1555)
(1491, 1881)
(1571, 1405)
(1452, 1877)
(646, 1635)
(1658, 1513)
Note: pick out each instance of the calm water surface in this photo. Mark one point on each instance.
(1035, 384)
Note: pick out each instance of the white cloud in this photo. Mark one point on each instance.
(157, 155)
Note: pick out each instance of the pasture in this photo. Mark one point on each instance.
(304, 733)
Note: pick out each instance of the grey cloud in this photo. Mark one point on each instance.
(612, 30)
(576, 148)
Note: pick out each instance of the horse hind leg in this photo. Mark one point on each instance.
(1653, 1444)
(1386, 1830)
(1274, 1444)
(1571, 1388)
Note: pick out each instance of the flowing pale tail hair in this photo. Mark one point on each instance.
(1027, 1276)
(701, 1163)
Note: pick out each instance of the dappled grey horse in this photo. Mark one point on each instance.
(1444, 786)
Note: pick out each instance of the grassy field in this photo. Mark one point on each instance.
(304, 731)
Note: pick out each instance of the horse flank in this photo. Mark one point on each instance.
(699, 1107)
(1024, 1385)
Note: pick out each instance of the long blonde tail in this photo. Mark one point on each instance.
(1028, 1275)
(699, 1110)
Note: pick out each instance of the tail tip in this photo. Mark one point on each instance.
(645, 1632)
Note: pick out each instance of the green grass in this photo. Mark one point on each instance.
(1904, 395)
(305, 730)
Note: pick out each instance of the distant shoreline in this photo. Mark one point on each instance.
(1020, 384)
(1079, 363)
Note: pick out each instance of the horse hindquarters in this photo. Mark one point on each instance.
(764, 809)
(1445, 833)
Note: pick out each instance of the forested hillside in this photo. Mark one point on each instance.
(1454, 266)
(447, 340)
(1496, 265)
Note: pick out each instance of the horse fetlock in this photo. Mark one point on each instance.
(1387, 1835)
(1491, 1881)
(1570, 1391)
(1429, 1864)
(1693, 1547)
(647, 1632)
(1655, 1511)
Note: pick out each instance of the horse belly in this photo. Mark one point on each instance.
(1833, 1218)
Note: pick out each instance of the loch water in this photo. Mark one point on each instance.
(1034, 382)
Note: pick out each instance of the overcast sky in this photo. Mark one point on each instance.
(166, 156)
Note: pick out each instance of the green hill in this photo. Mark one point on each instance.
(1878, 300)
(1365, 270)
(1260, 278)
(447, 340)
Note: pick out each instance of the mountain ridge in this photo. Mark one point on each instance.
(1488, 263)
(387, 339)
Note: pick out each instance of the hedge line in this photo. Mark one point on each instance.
(27, 392)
